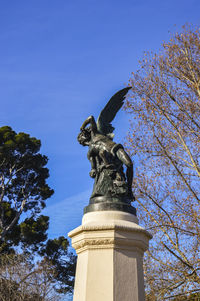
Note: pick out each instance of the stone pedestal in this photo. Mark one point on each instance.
(110, 247)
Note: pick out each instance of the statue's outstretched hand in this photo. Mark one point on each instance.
(93, 173)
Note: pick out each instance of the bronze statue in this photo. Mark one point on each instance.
(112, 188)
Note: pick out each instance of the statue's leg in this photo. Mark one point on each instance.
(126, 160)
(102, 154)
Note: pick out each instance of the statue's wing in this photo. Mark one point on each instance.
(104, 125)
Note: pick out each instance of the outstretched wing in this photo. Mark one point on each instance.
(107, 115)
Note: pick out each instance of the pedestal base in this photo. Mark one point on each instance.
(110, 204)
(110, 247)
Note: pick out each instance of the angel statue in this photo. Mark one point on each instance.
(112, 187)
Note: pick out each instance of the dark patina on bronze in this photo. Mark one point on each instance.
(112, 187)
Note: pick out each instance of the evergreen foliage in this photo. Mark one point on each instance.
(23, 194)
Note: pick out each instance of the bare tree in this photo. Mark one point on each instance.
(165, 136)
(20, 280)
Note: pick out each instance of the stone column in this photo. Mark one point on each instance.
(110, 247)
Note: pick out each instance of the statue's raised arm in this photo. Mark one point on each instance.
(112, 188)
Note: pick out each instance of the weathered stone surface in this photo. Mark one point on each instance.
(110, 247)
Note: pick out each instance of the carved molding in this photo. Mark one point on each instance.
(109, 226)
(110, 243)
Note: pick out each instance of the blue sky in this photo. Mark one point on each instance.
(60, 61)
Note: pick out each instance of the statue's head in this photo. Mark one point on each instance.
(84, 136)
